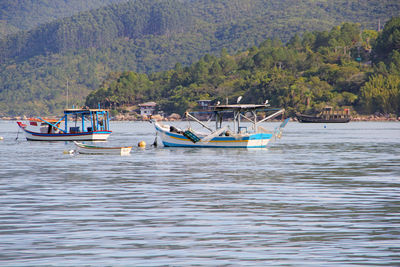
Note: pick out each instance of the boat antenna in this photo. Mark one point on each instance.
(67, 95)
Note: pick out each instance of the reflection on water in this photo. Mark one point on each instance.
(319, 196)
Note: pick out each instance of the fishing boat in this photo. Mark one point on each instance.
(328, 115)
(91, 149)
(76, 125)
(240, 136)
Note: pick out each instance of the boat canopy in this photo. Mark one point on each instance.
(41, 120)
(238, 113)
(240, 107)
(84, 111)
(96, 120)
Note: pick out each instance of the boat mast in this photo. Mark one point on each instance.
(239, 113)
(67, 96)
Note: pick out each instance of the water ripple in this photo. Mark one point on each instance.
(318, 197)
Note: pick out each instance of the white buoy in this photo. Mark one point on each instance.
(1, 138)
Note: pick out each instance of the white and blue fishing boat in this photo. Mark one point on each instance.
(76, 125)
(240, 136)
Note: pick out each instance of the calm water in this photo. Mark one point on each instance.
(317, 197)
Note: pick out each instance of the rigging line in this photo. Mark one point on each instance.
(155, 140)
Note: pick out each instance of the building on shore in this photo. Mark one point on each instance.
(147, 109)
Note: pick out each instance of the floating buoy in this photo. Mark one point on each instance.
(1, 137)
(70, 152)
(142, 144)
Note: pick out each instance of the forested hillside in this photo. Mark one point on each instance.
(321, 68)
(16, 15)
(146, 36)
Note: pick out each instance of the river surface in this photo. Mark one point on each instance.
(323, 195)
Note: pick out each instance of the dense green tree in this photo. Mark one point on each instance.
(388, 41)
(149, 36)
(27, 14)
(381, 94)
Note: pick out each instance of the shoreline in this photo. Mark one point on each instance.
(175, 118)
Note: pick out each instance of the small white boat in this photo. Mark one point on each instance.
(91, 149)
(224, 137)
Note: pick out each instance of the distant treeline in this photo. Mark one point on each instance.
(97, 29)
(342, 67)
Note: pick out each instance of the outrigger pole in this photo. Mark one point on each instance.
(195, 119)
(54, 125)
(272, 116)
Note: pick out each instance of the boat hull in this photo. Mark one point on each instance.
(257, 140)
(86, 149)
(84, 136)
(313, 119)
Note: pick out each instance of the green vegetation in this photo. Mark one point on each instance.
(326, 67)
(16, 15)
(148, 36)
(382, 91)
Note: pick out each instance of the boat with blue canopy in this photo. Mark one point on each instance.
(82, 124)
(239, 136)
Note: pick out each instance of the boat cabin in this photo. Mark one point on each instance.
(329, 113)
(75, 121)
(86, 120)
(82, 124)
